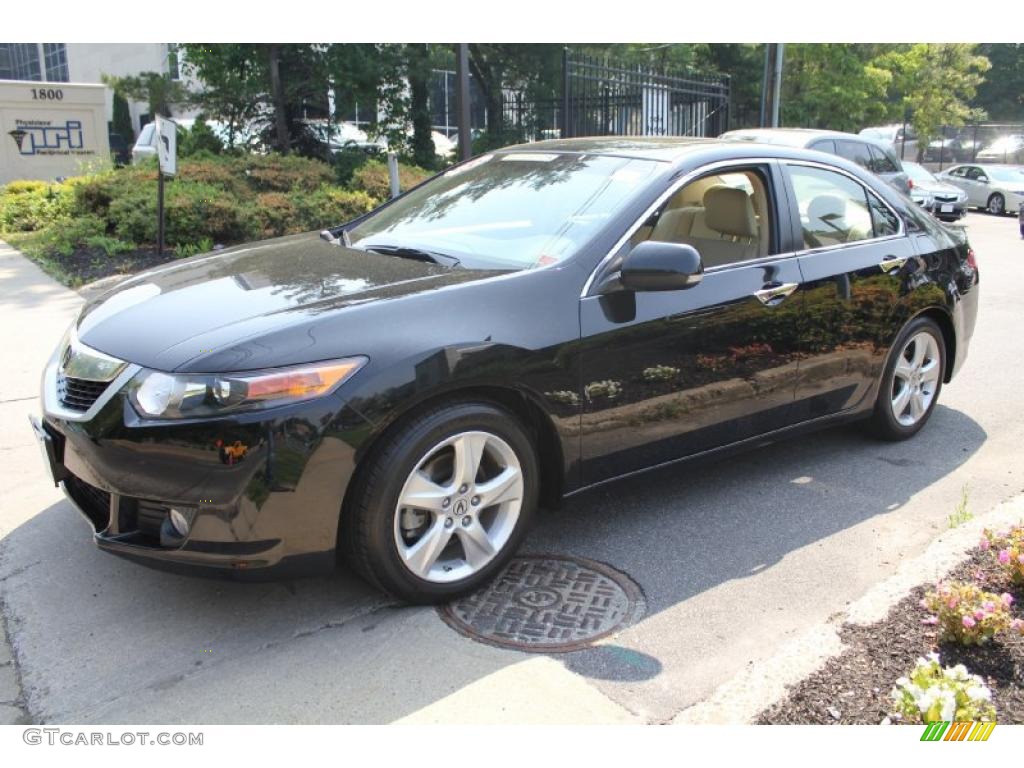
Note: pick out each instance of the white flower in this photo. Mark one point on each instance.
(932, 658)
(948, 705)
(979, 693)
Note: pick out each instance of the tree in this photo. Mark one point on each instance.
(833, 85)
(157, 89)
(122, 122)
(234, 83)
(935, 83)
(418, 67)
(1002, 93)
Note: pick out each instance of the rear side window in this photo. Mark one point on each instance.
(856, 151)
(883, 220)
(881, 162)
(824, 146)
(833, 207)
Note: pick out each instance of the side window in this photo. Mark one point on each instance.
(959, 172)
(824, 146)
(881, 162)
(855, 151)
(974, 173)
(725, 216)
(833, 207)
(883, 220)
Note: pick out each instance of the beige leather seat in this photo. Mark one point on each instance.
(725, 230)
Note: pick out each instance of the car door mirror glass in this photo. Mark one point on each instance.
(660, 266)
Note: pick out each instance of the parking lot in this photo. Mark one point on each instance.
(733, 559)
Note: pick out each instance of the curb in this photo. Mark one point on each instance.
(760, 686)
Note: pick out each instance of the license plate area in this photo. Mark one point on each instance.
(948, 208)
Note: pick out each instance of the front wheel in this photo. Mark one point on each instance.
(911, 381)
(996, 205)
(444, 503)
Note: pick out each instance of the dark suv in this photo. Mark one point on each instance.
(866, 153)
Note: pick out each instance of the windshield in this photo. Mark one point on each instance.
(1006, 174)
(146, 134)
(919, 173)
(509, 210)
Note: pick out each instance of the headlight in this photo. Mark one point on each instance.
(160, 395)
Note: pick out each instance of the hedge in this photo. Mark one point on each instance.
(223, 200)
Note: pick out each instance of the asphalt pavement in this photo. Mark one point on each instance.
(734, 559)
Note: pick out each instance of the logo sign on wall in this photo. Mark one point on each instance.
(49, 137)
(167, 145)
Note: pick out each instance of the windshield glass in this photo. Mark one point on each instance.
(1006, 174)
(146, 134)
(509, 210)
(918, 173)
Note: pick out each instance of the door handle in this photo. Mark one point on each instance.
(775, 293)
(889, 263)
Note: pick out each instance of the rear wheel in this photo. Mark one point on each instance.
(996, 205)
(444, 503)
(911, 382)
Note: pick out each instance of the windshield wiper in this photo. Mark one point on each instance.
(407, 252)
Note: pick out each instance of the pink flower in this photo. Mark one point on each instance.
(952, 603)
(930, 620)
(1007, 599)
(984, 545)
(1017, 625)
(1020, 559)
(968, 622)
(979, 614)
(1004, 556)
(988, 606)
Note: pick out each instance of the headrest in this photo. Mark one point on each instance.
(829, 209)
(729, 210)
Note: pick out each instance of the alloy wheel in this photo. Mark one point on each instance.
(458, 507)
(996, 204)
(915, 379)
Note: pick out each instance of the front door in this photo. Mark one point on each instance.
(670, 374)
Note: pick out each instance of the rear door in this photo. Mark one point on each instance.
(852, 258)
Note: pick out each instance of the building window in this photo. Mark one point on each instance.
(20, 61)
(55, 57)
(173, 69)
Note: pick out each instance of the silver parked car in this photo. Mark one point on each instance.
(996, 188)
(940, 198)
(865, 152)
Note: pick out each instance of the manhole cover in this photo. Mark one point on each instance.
(548, 604)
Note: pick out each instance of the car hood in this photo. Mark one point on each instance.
(166, 317)
(937, 188)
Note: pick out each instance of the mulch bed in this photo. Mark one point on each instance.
(854, 687)
(85, 265)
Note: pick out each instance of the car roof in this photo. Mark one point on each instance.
(793, 137)
(671, 149)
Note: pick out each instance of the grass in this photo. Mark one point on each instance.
(961, 514)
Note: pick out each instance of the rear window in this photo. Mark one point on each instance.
(856, 151)
(881, 162)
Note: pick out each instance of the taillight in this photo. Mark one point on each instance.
(910, 183)
(970, 259)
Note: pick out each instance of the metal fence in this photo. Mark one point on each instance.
(599, 99)
(975, 143)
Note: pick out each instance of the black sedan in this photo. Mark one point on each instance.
(406, 390)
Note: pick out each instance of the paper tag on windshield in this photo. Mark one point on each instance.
(528, 157)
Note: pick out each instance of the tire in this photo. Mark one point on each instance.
(380, 532)
(996, 205)
(898, 416)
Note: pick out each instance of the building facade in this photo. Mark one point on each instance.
(88, 63)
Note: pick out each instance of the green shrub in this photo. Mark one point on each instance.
(111, 246)
(276, 173)
(184, 251)
(372, 178)
(328, 206)
(200, 139)
(63, 238)
(276, 214)
(31, 206)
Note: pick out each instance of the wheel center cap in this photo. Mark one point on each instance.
(461, 507)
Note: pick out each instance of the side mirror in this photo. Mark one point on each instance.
(657, 266)
(982, 179)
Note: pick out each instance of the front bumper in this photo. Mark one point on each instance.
(948, 210)
(262, 491)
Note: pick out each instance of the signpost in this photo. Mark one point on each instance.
(167, 157)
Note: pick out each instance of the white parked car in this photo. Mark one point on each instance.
(891, 136)
(996, 188)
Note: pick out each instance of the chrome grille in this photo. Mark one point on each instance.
(79, 394)
(946, 198)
